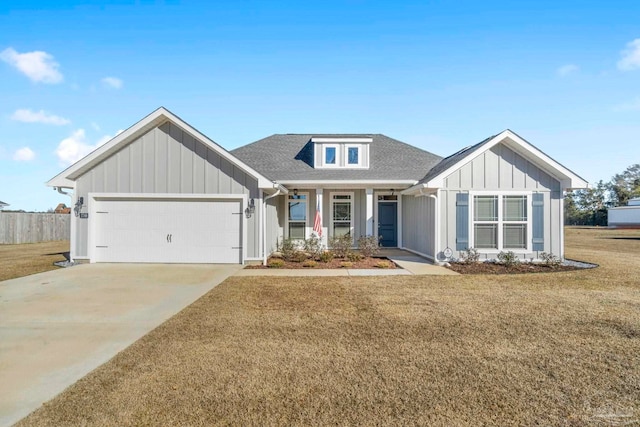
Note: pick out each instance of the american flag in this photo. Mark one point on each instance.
(317, 223)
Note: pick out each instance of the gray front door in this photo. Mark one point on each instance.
(388, 224)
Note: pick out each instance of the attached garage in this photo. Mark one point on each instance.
(178, 229)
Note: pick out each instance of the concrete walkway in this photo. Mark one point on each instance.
(58, 326)
(411, 265)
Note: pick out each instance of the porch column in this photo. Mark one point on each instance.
(320, 208)
(369, 212)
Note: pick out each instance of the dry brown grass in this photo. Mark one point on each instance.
(26, 259)
(532, 349)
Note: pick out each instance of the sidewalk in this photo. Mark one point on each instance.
(410, 265)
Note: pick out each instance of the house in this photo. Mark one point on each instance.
(161, 191)
(62, 209)
(625, 216)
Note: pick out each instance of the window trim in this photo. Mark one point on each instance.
(500, 222)
(286, 215)
(352, 226)
(358, 147)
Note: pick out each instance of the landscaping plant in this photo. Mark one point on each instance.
(369, 245)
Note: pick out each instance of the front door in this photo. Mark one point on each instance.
(388, 224)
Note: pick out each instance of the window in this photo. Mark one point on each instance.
(500, 222)
(342, 214)
(330, 155)
(353, 154)
(297, 216)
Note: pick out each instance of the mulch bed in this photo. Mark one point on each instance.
(495, 268)
(365, 263)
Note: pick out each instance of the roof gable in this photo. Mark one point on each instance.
(155, 119)
(435, 177)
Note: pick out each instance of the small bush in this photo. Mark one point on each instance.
(288, 248)
(313, 246)
(369, 245)
(326, 256)
(346, 264)
(470, 256)
(383, 264)
(340, 245)
(354, 256)
(298, 256)
(275, 263)
(309, 263)
(508, 259)
(550, 260)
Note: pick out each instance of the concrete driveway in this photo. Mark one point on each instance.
(56, 327)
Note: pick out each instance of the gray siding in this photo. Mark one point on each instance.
(418, 224)
(167, 160)
(502, 169)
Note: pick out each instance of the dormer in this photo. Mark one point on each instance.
(341, 152)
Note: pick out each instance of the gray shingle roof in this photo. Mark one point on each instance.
(289, 157)
(445, 163)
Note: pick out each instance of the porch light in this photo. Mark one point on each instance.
(251, 208)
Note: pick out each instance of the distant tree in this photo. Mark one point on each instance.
(587, 206)
(624, 186)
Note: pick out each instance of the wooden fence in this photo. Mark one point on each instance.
(20, 227)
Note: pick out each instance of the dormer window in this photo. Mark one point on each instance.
(341, 152)
(330, 155)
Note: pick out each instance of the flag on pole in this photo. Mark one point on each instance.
(317, 223)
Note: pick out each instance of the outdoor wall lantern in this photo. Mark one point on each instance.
(251, 208)
(78, 207)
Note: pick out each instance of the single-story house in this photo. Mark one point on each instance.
(161, 191)
(625, 216)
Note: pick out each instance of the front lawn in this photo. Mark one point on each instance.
(30, 258)
(527, 349)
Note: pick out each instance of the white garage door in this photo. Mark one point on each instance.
(167, 231)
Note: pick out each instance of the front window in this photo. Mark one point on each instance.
(342, 215)
(297, 216)
(500, 222)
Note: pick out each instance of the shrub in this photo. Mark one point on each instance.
(369, 245)
(383, 264)
(326, 256)
(309, 263)
(288, 248)
(509, 259)
(298, 256)
(340, 245)
(550, 260)
(470, 256)
(346, 264)
(354, 256)
(313, 246)
(275, 263)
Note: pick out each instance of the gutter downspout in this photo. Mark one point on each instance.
(436, 225)
(62, 192)
(264, 224)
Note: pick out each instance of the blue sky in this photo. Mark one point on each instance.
(565, 75)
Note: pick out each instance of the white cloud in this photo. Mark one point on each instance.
(24, 154)
(28, 116)
(75, 147)
(39, 66)
(567, 69)
(630, 56)
(112, 82)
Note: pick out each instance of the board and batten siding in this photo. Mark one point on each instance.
(418, 224)
(502, 169)
(167, 160)
(275, 223)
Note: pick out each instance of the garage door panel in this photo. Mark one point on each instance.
(168, 231)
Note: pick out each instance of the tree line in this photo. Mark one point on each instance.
(589, 206)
